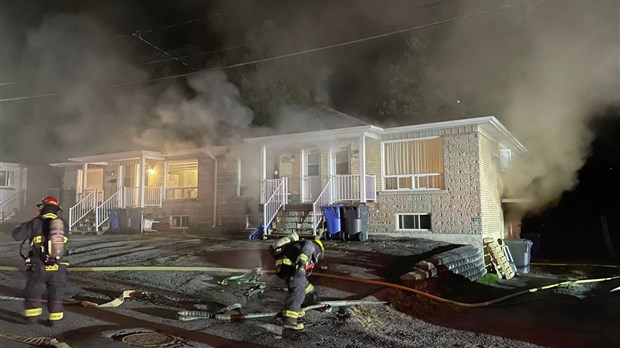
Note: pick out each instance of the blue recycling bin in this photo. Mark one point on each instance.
(115, 222)
(332, 217)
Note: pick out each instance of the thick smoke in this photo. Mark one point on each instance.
(571, 71)
(542, 68)
(79, 61)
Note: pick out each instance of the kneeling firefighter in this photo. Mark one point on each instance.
(45, 268)
(295, 259)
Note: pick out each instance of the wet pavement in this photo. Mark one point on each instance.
(582, 315)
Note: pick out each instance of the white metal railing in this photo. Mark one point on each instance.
(101, 212)
(324, 198)
(9, 206)
(274, 203)
(152, 196)
(82, 208)
(426, 181)
(268, 188)
(342, 188)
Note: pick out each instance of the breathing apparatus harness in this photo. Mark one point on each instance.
(49, 245)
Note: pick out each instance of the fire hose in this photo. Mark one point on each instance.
(326, 275)
(236, 317)
(36, 341)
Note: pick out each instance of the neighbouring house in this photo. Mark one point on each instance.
(22, 186)
(441, 181)
(177, 189)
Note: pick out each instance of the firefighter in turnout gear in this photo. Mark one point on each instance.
(45, 268)
(295, 259)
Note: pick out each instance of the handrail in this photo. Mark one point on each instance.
(324, 198)
(112, 202)
(9, 206)
(276, 201)
(82, 208)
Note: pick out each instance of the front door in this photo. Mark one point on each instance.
(311, 175)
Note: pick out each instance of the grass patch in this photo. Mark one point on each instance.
(488, 279)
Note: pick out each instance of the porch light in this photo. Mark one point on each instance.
(150, 170)
(355, 153)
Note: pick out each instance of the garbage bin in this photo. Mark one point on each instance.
(521, 251)
(115, 222)
(537, 244)
(123, 220)
(332, 217)
(135, 217)
(360, 224)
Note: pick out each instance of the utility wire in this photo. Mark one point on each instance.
(298, 53)
(138, 36)
(194, 20)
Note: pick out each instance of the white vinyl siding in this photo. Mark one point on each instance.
(413, 164)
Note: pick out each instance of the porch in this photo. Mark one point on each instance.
(91, 211)
(307, 215)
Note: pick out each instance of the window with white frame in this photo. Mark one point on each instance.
(7, 179)
(505, 159)
(413, 164)
(182, 179)
(342, 161)
(413, 222)
(242, 179)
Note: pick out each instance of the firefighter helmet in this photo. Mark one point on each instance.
(279, 244)
(50, 200)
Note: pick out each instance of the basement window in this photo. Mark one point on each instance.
(413, 222)
(179, 221)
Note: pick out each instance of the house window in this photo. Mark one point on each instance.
(7, 179)
(413, 222)
(343, 166)
(505, 159)
(179, 221)
(182, 180)
(242, 179)
(314, 163)
(413, 164)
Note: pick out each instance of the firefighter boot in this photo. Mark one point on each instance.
(291, 323)
(311, 299)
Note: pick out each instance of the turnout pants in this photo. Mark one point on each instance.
(41, 278)
(298, 288)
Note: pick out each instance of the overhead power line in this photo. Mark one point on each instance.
(302, 52)
(195, 20)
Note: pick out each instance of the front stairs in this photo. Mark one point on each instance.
(87, 225)
(294, 218)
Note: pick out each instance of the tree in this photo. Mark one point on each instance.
(415, 88)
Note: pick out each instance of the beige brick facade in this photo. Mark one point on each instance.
(455, 210)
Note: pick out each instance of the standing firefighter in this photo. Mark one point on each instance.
(294, 260)
(45, 269)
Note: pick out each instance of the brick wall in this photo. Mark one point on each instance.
(455, 211)
(373, 160)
